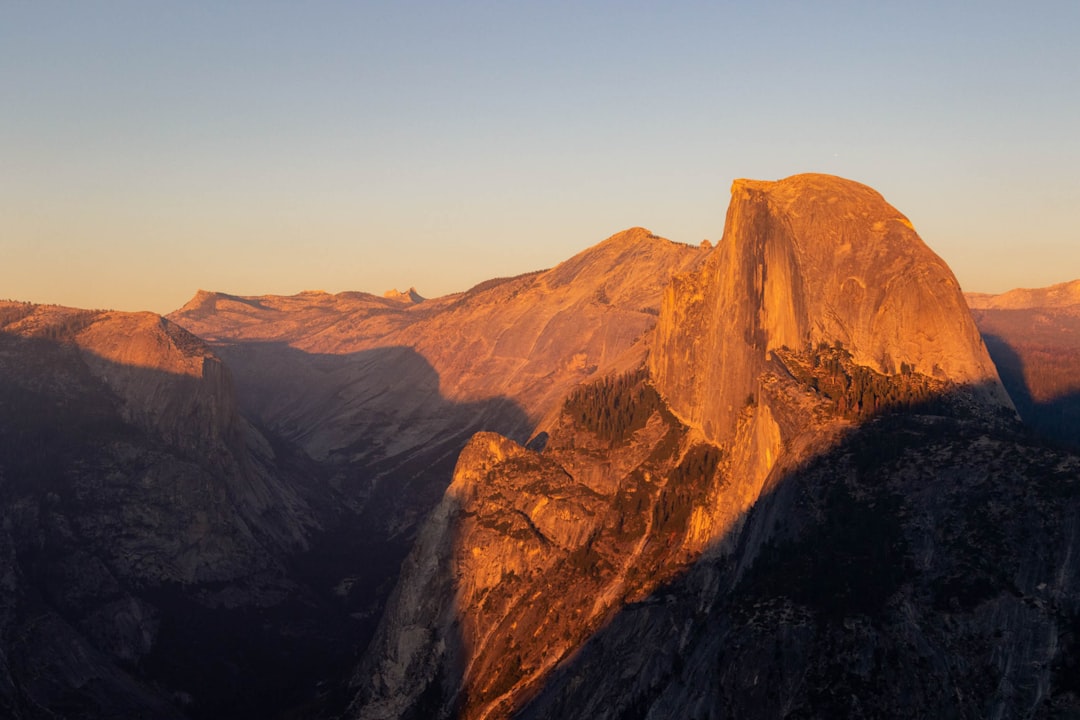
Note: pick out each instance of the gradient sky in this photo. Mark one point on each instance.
(149, 149)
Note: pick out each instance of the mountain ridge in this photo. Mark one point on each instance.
(1060, 295)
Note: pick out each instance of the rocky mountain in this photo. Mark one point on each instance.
(144, 522)
(249, 495)
(1034, 339)
(921, 567)
(812, 494)
(807, 260)
(384, 394)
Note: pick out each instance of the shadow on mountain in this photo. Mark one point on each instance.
(382, 435)
(923, 566)
(1057, 419)
(147, 576)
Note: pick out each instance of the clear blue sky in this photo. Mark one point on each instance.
(148, 149)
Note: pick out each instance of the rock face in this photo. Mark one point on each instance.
(529, 553)
(168, 380)
(614, 569)
(409, 296)
(806, 260)
(921, 567)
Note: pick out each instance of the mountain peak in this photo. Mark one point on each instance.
(806, 260)
(834, 198)
(408, 296)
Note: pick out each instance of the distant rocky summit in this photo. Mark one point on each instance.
(409, 296)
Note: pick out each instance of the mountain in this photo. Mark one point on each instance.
(811, 259)
(1062, 295)
(385, 394)
(813, 493)
(214, 522)
(143, 519)
(1034, 339)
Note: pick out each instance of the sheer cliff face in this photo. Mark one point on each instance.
(805, 260)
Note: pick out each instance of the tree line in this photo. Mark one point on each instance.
(614, 407)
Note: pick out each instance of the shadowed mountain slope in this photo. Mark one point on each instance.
(1034, 339)
(922, 567)
(143, 521)
(325, 371)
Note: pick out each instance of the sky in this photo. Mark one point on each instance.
(150, 149)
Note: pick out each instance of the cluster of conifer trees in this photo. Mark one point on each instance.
(615, 406)
(14, 313)
(66, 328)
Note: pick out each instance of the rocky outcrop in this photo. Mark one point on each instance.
(522, 560)
(806, 260)
(169, 381)
(407, 296)
(921, 567)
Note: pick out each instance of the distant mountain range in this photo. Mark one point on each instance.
(779, 477)
(1034, 339)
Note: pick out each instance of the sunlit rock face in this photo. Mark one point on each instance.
(819, 309)
(805, 260)
(529, 553)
